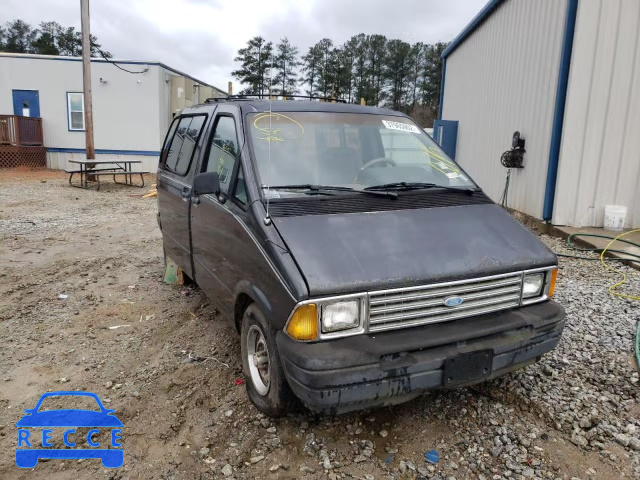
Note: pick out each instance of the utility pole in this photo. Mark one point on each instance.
(86, 79)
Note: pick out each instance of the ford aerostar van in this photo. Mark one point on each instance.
(359, 263)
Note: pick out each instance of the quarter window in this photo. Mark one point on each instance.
(168, 141)
(223, 151)
(75, 111)
(240, 193)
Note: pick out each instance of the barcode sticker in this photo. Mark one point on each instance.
(403, 127)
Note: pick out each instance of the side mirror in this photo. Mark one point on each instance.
(207, 182)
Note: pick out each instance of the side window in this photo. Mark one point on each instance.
(176, 143)
(167, 142)
(240, 192)
(223, 151)
(184, 143)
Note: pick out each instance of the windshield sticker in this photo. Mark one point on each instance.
(277, 127)
(440, 163)
(403, 127)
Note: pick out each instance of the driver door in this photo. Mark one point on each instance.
(215, 228)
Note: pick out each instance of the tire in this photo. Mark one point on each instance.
(276, 399)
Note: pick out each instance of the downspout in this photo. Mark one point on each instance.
(558, 115)
(444, 74)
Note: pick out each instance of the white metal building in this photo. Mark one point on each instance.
(566, 74)
(131, 111)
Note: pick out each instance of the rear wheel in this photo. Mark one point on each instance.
(266, 384)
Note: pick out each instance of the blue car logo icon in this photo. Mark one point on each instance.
(453, 301)
(69, 419)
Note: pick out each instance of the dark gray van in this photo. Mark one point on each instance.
(360, 265)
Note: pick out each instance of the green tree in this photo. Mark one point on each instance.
(70, 42)
(417, 66)
(326, 75)
(343, 69)
(376, 54)
(49, 39)
(432, 79)
(256, 60)
(18, 37)
(311, 70)
(358, 46)
(397, 68)
(285, 65)
(46, 39)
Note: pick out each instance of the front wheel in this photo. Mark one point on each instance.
(266, 384)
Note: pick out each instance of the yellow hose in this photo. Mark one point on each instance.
(624, 275)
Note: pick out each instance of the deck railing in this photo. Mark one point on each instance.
(17, 130)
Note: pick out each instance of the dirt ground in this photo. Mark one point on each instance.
(76, 263)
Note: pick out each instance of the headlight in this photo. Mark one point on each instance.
(327, 318)
(340, 316)
(532, 286)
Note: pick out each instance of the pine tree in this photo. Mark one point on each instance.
(18, 37)
(49, 39)
(3, 34)
(417, 67)
(285, 65)
(396, 71)
(311, 70)
(256, 60)
(376, 54)
(46, 41)
(326, 76)
(344, 58)
(431, 82)
(358, 46)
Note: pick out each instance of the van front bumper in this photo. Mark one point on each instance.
(364, 371)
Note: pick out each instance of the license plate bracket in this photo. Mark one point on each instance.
(467, 368)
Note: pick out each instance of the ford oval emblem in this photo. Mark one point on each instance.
(453, 301)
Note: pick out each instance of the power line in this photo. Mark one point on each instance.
(103, 55)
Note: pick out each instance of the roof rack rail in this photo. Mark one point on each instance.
(275, 97)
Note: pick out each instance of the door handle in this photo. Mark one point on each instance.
(186, 192)
(195, 200)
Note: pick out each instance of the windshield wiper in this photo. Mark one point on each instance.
(328, 188)
(403, 186)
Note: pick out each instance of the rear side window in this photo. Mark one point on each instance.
(223, 151)
(168, 141)
(184, 143)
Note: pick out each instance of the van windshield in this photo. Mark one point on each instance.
(346, 150)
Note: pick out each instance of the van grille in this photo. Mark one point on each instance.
(413, 306)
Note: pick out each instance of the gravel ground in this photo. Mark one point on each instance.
(172, 372)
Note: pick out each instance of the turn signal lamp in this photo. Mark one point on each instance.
(552, 283)
(303, 325)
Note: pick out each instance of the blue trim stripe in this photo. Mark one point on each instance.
(119, 62)
(558, 114)
(469, 29)
(146, 153)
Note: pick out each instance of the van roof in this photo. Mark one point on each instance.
(262, 105)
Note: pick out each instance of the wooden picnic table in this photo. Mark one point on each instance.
(119, 167)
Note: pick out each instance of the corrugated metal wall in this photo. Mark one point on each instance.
(600, 154)
(503, 78)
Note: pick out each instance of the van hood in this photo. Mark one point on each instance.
(344, 253)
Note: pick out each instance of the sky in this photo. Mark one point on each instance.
(202, 37)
